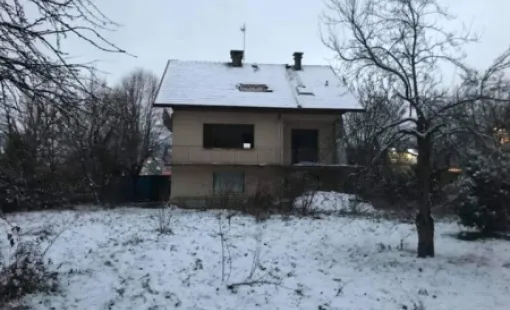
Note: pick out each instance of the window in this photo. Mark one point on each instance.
(229, 136)
(228, 183)
(305, 145)
(257, 88)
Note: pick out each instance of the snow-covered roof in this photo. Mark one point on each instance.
(216, 84)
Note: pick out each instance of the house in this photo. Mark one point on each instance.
(236, 125)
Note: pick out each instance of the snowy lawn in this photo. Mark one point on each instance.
(115, 259)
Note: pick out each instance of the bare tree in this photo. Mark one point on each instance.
(401, 43)
(91, 138)
(114, 130)
(33, 63)
(31, 164)
(364, 139)
(140, 133)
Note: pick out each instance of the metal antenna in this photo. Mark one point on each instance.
(243, 30)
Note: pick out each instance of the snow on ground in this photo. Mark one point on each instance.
(333, 202)
(115, 259)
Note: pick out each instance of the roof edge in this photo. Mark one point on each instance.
(255, 109)
(160, 83)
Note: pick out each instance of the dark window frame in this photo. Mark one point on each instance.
(218, 190)
(305, 145)
(228, 136)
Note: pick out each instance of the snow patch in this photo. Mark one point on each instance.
(332, 202)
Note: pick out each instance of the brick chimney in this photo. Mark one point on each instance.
(237, 58)
(298, 56)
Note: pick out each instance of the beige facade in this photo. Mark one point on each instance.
(187, 138)
(197, 181)
(194, 165)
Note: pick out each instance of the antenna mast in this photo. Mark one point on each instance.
(243, 30)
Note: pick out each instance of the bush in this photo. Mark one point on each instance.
(297, 184)
(26, 182)
(18, 193)
(24, 271)
(263, 203)
(27, 275)
(482, 193)
(393, 183)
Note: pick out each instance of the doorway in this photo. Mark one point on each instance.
(305, 145)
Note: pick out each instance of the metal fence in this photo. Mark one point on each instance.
(144, 188)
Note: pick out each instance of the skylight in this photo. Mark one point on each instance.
(255, 88)
(303, 90)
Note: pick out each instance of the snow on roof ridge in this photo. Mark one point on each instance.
(218, 62)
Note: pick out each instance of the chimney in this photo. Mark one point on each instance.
(298, 56)
(237, 58)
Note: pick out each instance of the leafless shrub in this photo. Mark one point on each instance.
(164, 218)
(295, 194)
(268, 276)
(226, 257)
(28, 274)
(300, 189)
(306, 203)
(263, 203)
(226, 200)
(23, 269)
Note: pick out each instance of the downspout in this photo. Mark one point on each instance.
(280, 138)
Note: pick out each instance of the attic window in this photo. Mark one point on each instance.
(255, 88)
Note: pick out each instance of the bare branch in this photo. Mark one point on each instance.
(32, 61)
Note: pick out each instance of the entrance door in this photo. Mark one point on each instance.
(305, 145)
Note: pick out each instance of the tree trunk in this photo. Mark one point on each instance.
(424, 221)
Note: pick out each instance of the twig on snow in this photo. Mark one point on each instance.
(52, 241)
(224, 245)
(252, 283)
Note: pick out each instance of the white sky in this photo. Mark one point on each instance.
(157, 30)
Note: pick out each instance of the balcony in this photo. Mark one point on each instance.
(197, 155)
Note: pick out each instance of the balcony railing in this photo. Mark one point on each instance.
(190, 155)
(197, 155)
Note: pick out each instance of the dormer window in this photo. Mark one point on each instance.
(254, 88)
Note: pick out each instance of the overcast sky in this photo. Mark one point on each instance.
(158, 30)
